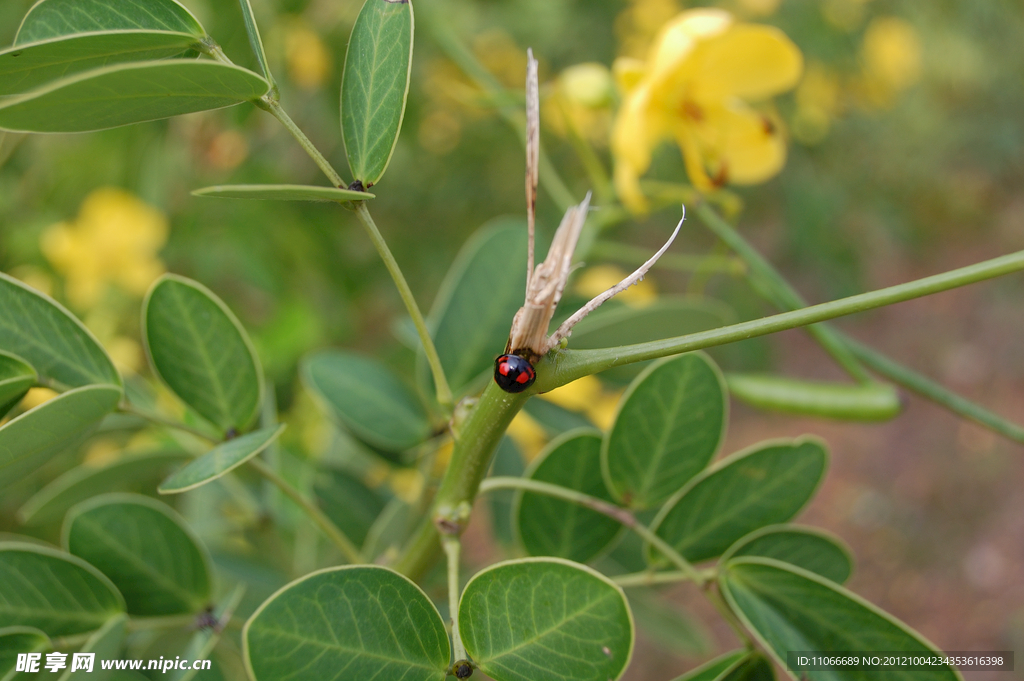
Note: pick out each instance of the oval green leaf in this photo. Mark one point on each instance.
(282, 192)
(31, 439)
(367, 620)
(200, 350)
(545, 619)
(375, 85)
(39, 330)
(15, 641)
(790, 609)
(552, 527)
(24, 67)
(53, 18)
(105, 644)
(130, 93)
(255, 41)
(709, 671)
(812, 549)
(367, 399)
(54, 592)
(16, 377)
(137, 473)
(219, 460)
(349, 503)
(667, 317)
(764, 485)
(669, 426)
(850, 402)
(473, 311)
(145, 548)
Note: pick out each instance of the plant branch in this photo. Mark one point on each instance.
(779, 290)
(569, 365)
(603, 507)
(652, 578)
(337, 537)
(927, 388)
(451, 549)
(444, 393)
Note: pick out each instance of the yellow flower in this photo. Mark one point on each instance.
(891, 54)
(694, 88)
(114, 240)
(581, 101)
(597, 279)
(309, 61)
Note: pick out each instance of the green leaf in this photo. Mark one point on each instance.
(24, 67)
(136, 473)
(362, 622)
(709, 671)
(669, 426)
(473, 311)
(16, 377)
(31, 439)
(130, 93)
(350, 504)
(374, 86)
(667, 317)
(389, 531)
(848, 401)
(105, 644)
(17, 640)
(200, 350)
(812, 549)
(145, 548)
(546, 619)
(255, 42)
(552, 527)
(282, 192)
(790, 609)
(54, 18)
(367, 399)
(39, 330)
(219, 460)
(52, 591)
(766, 484)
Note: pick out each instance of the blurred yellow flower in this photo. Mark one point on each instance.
(587, 396)
(581, 101)
(114, 240)
(760, 8)
(694, 87)
(595, 280)
(528, 435)
(891, 55)
(640, 22)
(817, 102)
(308, 59)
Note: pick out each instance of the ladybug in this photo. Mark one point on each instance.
(513, 373)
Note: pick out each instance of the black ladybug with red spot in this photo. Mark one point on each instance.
(513, 373)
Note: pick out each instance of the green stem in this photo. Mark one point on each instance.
(652, 578)
(475, 443)
(451, 548)
(274, 108)
(444, 393)
(129, 408)
(337, 537)
(779, 290)
(570, 365)
(603, 507)
(922, 385)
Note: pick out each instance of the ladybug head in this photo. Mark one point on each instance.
(513, 373)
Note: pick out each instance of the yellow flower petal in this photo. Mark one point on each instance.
(680, 37)
(627, 72)
(749, 62)
(741, 146)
